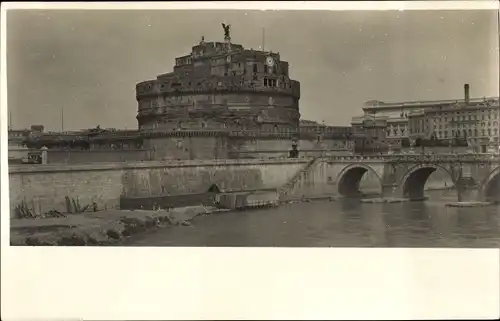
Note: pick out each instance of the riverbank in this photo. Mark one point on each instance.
(112, 226)
(99, 228)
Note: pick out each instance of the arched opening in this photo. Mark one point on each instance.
(413, 186)
(213, 189)
(492, 190)
(423, 179)
(358, 181)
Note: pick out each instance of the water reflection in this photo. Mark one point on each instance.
(346, 223)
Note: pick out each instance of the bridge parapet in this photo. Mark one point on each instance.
(419, 158)
(445, 158)
(359, 158)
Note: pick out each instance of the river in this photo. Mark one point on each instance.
(343, 223)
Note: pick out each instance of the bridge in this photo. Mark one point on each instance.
(475, 177)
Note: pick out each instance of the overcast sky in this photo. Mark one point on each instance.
(89, 61)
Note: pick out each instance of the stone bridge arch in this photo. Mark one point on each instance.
(349, 178)
(412, 184)
(489, 188)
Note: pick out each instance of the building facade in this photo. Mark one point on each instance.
(473, 120)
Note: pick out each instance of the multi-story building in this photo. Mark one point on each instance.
(369, 134)
(476, 120)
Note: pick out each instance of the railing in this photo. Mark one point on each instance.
(438, 158)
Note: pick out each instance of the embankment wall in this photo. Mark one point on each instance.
(44, 187)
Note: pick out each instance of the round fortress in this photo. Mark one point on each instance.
(221, 86)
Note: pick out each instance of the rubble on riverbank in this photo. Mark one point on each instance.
(308, 199)
(99, 228)
(383, 200)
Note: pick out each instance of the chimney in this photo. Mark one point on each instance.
(466, 93)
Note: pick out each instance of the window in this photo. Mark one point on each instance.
(265, 69)
(254, 68)
(265, 82)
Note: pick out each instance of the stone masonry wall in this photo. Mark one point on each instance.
(97, 155)
(188, 148)
(44, 187)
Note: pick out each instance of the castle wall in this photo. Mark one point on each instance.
(98, 155)
(255, 146)
(188, 148)
(328, 144)
(105, 183)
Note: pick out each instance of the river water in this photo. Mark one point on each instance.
(343, 223)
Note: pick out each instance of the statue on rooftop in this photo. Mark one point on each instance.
(227, 35)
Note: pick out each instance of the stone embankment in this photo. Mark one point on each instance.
(99, 228)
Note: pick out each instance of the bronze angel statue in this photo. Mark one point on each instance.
(226, 31)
